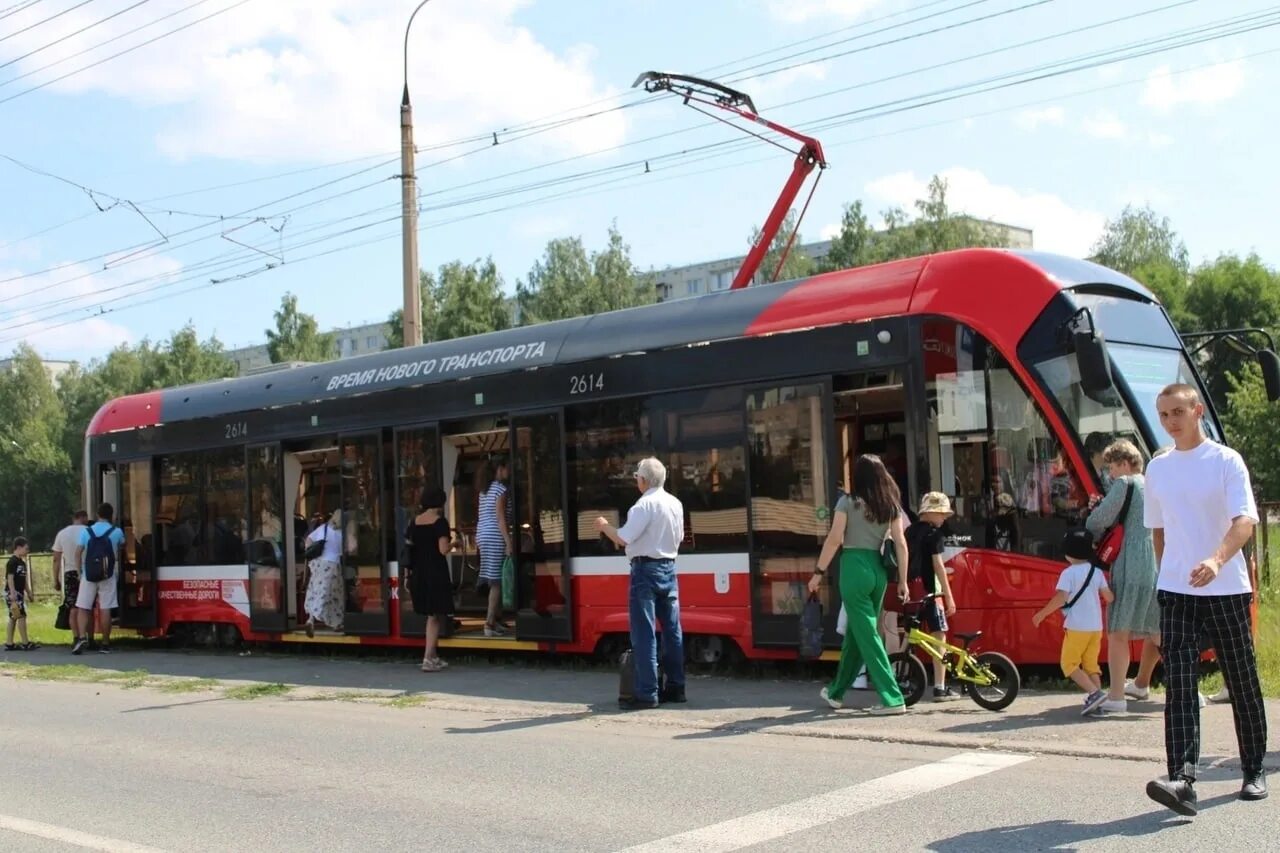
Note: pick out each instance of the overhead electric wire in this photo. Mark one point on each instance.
(121, 53)
(83, 29)
(17, 7)
(957, 95)
(55, 16)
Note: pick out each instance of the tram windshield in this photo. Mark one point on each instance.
(1146, 355)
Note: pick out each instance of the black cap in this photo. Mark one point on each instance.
(1078, 544)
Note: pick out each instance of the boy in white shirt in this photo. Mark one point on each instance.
(1080, 586)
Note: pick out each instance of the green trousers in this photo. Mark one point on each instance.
(862, 584)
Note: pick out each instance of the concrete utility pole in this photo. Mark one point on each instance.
(409, 206)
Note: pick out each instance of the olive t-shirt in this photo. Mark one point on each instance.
(859, 531)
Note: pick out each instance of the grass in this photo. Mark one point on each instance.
(257, 691)
(40, 618)
(188, 685)
(407, 700)
(77, 672)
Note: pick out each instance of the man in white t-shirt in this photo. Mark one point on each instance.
(1199, 506)
(66, 573)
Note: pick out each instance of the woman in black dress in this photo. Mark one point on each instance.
(429, 581)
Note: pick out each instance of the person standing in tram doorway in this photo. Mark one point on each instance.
(858, 528)
(652, 536)
(429, 584)
(326, 591)
(1201, 512)
(493, 538)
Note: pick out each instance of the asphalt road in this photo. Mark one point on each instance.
(94, 766)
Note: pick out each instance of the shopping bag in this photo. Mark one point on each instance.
(62, 621)
(811, 629)
(508, 582)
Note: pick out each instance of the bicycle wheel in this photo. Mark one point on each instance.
(912, 679)
(1005, 682)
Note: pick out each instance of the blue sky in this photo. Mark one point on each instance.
(262, 136)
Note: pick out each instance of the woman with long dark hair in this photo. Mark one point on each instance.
(429, 583)
(857, 531)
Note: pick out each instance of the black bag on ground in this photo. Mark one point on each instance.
(62, 621)
(627, 677)
(811, 629)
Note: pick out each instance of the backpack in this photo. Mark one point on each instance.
(99, 556)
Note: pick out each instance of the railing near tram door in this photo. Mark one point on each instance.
(1266, 546)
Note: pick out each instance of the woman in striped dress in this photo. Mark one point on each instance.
(493, 538)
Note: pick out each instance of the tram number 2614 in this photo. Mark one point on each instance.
(236, 430)
(586, 383)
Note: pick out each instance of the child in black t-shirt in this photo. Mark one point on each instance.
(927, 575)
(15, 594)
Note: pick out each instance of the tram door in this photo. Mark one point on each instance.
(365, 572)
(543, 597)
(269, 542)
(127, 487)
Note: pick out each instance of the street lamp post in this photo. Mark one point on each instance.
(24, 489)
(412, 323)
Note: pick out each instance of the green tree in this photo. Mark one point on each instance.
(853, 245)
(185, 359)
(429, 297)
(36, 474)
(1140, 238)
(1230, 293)
(1254, 429)
(566, 282)
(1144, 246)
(296, 336)
(471, 300)
(797, 263)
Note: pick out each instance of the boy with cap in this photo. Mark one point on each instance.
(1081, 588)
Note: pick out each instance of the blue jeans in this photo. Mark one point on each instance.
(655, 595)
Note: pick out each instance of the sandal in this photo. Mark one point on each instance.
(431, 666)
(29, 646)
(10, 647)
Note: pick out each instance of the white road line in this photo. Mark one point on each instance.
(766, 825)
(73, 836)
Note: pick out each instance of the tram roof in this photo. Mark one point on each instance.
(963, 284)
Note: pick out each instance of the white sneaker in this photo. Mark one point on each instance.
(834, 703)
(1203, 701)
(1222, 697)
(886, 710)
(1133, 691)
(860, 683)
(1115, 706)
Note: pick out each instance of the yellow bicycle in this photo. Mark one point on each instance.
(990, 678)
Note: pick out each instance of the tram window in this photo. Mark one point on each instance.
(991, 450)
(697, 435)
(788, 492)
(604, 444)
(201, 508)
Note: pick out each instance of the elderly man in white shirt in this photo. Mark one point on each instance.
(652, 536)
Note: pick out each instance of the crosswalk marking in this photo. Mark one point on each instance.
(72, 836)
(768, 824)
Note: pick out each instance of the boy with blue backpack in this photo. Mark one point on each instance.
(97, 556)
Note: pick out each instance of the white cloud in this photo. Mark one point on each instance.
(73, 328)
(1104, 125)
(1032, 119)
(830, 232)
(1203, 87)
(800, 11)
(321, 79)
(1057, 226)
(1159, 140)
(762, 89)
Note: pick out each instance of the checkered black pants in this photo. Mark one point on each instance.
(1222, 620)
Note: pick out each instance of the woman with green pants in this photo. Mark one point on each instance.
(858, 530)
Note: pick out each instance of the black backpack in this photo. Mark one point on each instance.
(99, 556)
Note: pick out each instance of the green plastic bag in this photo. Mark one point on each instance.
(508, 582)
